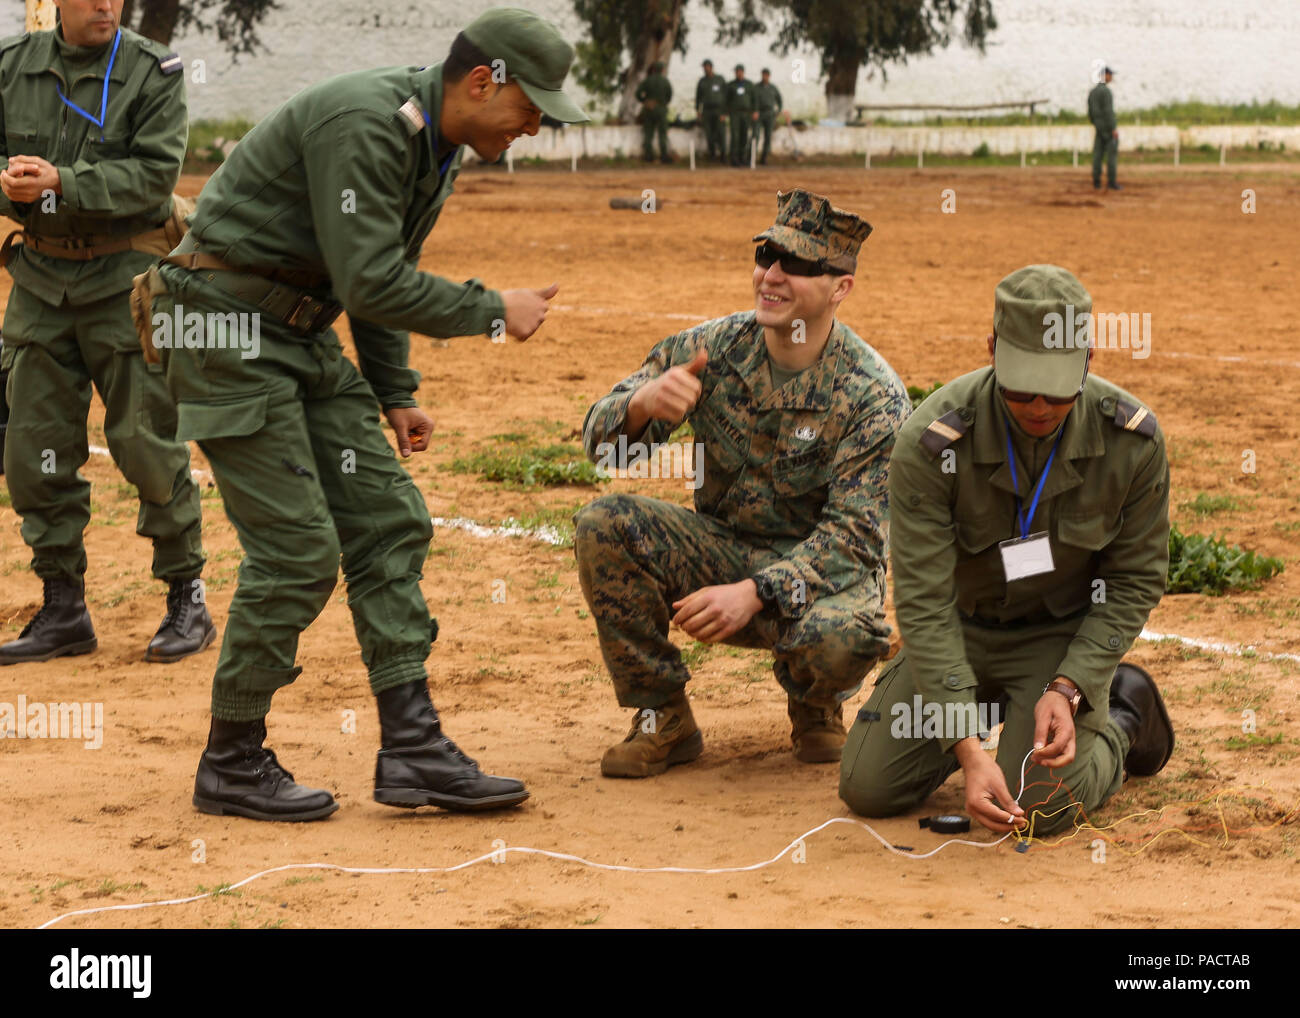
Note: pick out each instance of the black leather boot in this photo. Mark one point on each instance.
(238, 777)
(1138, 709)
(419, 766)
(186, 628)
(62, 626)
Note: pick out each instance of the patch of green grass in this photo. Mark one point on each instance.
(1208, 565)
(919, 395)
(1210, 505)
(1252, 741)
(557, 520)
(1180, 114)
(516, 463)
(205, 134)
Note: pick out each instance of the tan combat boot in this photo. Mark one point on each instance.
(658, 740)
(817, 732)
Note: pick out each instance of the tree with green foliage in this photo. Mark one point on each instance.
(234, 21)
(648, 30)
(852, 34)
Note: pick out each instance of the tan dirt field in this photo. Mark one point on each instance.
(521, 685)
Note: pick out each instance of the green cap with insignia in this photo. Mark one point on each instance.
(1042, 317)
(809, 226)
(534, 54)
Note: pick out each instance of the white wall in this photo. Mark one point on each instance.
(1164, 50)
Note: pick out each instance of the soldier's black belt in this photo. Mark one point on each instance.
(302, 312)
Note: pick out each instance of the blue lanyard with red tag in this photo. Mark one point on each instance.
(103, 99)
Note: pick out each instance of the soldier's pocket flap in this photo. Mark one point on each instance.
(974, 535)
(228, 418)
(8, 352)
(1091, 532)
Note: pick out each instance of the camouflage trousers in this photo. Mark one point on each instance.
(637, 555)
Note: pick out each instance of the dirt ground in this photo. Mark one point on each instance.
(521, 684)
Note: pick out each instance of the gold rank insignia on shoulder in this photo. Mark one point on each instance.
(943, 432)
(412, 114)
(1132, 417)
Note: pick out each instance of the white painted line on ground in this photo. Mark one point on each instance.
(1236, 649)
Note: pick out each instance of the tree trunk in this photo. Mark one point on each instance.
(658, 35)
(842, 81)
(158, 19)
(40, 15)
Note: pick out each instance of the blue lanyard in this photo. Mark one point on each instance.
(1024, 521)
(103, 99)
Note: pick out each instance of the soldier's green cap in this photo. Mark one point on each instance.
(809, 226)
(534, 54)
(1037, 315)
(740, 67)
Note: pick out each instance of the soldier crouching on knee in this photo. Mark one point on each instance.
(1030, 543)
(795, 416)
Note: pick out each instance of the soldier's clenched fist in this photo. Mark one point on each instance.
(526, 309)
(672, 395)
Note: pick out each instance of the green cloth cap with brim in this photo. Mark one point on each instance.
(809, 226)
(534, 54)
(1036, 352)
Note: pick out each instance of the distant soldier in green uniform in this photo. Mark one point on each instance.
(324, 207)
(794, 417)
(768, 98)
(654, 94)
(1105, 145)
(710, 104)
(92, 135)
(1030, 530)
(742, 109)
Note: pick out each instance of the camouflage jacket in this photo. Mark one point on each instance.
(1104, 505)
(802, 470)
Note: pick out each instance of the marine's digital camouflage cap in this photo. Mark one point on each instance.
(1042, 318)
(535, 56)
(809, 226)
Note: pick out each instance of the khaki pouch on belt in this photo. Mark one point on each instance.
(145, 287)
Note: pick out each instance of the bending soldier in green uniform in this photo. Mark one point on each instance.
(742, 108)
(92, 135)
(1021, 578)
(710, 104)
(768, 99)
(794, 417)
(324, 207)
(654, 94)
(1105, 145)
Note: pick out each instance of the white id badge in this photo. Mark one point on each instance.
(1027, 556)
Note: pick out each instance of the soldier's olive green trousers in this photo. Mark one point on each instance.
(715, 135)
(652, 125)
(54, 355)
(885, 770)
(637, 555)
(307, 477)
(1105, 148)
(766, 121)
(739, 150)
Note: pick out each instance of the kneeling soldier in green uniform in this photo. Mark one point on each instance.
(92, 134)
(795, 417)
(1030, 532)
(324, 207)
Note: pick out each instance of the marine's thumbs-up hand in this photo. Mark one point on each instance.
(673, 395)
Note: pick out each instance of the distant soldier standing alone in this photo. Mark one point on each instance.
(768, 97)
(1105, 145)
(654, 94)
(92, 134)
(742, 109)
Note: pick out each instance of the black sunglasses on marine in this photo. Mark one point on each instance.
(791, 265)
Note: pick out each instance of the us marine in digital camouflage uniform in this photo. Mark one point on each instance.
(786, 548)
(89, 174)
(1045, 645)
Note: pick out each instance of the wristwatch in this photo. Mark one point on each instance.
(1072, 693)
(767, 593)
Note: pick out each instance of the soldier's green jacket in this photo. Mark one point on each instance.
(115, 181)
(658, 89)
(710, 92)
(768, 97)
(740, 96)
(1105, 505)
(802, 469)
(345, 181)
(1101, 108)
